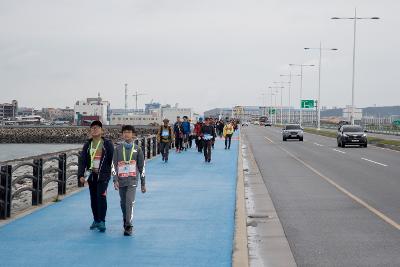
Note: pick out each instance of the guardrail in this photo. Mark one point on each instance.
(9, 179)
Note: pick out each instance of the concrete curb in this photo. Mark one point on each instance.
(267, 242)
(240, 257)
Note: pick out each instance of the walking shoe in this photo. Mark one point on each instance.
(209, 160)
(128, 230)
(101, 226)
(94, 225)
(166, 160)
(163, 158)
(225, 148)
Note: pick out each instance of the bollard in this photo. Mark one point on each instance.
(5, 191)
(62, 174)
(79, 164)
(37, 183)
(148, 148)
(154, 146)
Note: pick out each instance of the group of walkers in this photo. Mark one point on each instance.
(100, 161)
(204, 133)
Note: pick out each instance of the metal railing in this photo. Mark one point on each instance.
(9, 178)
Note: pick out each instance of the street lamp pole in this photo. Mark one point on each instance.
(290, 88)
(319, 79)
(355, 18)
(301, 85)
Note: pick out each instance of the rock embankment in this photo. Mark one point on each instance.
(65, 135)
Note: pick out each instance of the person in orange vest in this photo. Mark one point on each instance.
(228, 132)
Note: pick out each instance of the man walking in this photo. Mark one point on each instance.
(186, 131)
(128, 166)
(208, 135)
(95, 168)
(228, 132)
(165, 138)
(197, 132)
(178, 132)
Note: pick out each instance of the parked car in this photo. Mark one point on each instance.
(245, 123)
(351, 135)
(268, 123)
(292, 131)
(256, 123)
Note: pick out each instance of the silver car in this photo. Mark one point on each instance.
(292, 131)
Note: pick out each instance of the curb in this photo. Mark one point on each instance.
(240, 257)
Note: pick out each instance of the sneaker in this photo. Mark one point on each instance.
(209, 160)
(94, 225)
(163, 158)
(128, 230)
(225, 148)
(101, 226)
(166, 160)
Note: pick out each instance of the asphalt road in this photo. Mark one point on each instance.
(338, 206)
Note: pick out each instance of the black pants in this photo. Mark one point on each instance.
(190, 140)
(207, 149)
(98, 198)
(178, 143)
(228, 140)
(164, 147)
(199, 144)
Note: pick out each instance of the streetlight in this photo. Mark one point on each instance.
(319, 80)
(301, 84)
(355, 18)
(281, 87)
(290, 85)
(274, 94)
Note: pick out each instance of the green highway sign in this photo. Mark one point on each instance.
(396, 122)
(272, 111)
(307, 104)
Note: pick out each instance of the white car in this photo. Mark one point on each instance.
(256, 123)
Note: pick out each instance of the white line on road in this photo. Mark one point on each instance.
(346, 192)
(318, 144)
(375, 162)
(269, 140)
(339, 151)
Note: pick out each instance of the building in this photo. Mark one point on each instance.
(347, 113)
(92, 107)
(9, 110)
(171, 113)
(247, 113)
(151, 107)
(135, 119)
(219, 113)
(58, 114)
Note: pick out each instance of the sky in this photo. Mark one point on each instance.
(200, 54)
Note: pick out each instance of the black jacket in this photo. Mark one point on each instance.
(208, 129)
(105, 161)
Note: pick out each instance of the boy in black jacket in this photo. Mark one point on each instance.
(95, 168)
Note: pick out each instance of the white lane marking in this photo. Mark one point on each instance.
(348, 193)
(387, 149)
(339, 151)
(375, 162)
(318, 144)
(269, 140)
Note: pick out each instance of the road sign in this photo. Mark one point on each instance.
(397, 122)
(272, 111)
(307, 103)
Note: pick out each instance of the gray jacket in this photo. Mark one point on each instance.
(140, 168)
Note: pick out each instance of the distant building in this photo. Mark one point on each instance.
(58, 114)
(171, 113)
(247, 113)
(347, 112)
(219, 113)
(93, 107)
(9, 110)
(151, 107)
(135, 119)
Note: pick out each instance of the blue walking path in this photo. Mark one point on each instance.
(185, 219)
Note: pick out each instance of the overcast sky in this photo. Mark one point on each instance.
(201, 54)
